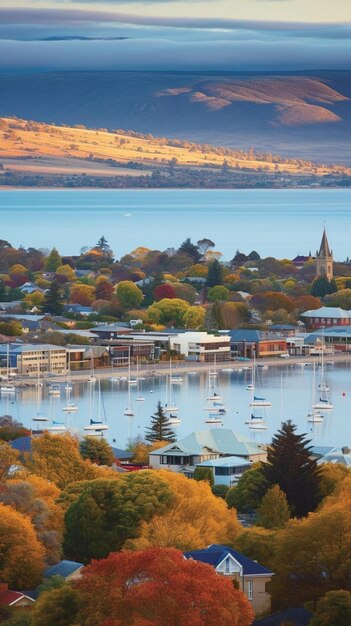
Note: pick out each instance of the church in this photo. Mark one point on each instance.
(324, 259)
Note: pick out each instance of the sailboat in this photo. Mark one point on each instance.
(39, 417)
(139, 397)
(129, 411)
(170, 406)
(68, 385)
(257, 400)
(314, 415)
(54, 390)
(56, 426)
(7, 386)
(323, 403)
(96, 425)
(214, 405)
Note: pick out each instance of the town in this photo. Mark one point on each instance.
(214, 504)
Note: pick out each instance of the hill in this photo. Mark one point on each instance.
(39, 154)
(305, 114)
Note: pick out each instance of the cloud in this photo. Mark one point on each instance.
(80, 17)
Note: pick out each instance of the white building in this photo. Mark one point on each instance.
(201, 346)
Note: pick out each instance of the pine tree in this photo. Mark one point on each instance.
(215, 274)
(289, 465)
(273, 512)
(53, 302)
(190, 249)
(160, 429)
(53, 261)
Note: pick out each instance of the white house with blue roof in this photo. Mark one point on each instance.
(205, 445)
(226, 470)
(251, 577)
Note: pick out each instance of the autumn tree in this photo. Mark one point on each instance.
(168, 311)
(109, 512)
(56, 458)
(184, 291)
(258, 544)
(195, 317)
(8, 457)
(164, 291)
(193, 520)
(53, 261)
(289, 465)
(129, 294)
(57, 607)
(334, 609)
(53, 302)
(96, 450)
(160, 428)
(82, 294)
(104, 289)
(234, 314)
(218, 292)
(21, 554)
(65, 271)
(273, 511)
(166, 589)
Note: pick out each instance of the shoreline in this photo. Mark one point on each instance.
(182, 367)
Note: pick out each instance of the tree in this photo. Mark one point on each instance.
(53, 302)
(164, 291)
(102, 245)
(215, 273)
(247, 494)
(56, 458)
(187, 247)
(58, 607)
(107, 513)
(66, 271)
(168, 311)
(204, 473)
(289, 465)
(21, 554)
(53, 261)
(185, 292)
(8, 457)
(193, 520)
(82, 294)
(341, 298)
(334, 609)
(204, 245)
(166, 589)
(104, 289)
(96, 450)
(129, 294)
(218, 292)
(195, 317)
(273, 511)
(321, 286)
(234, 314)
(220, 491)
(160, 429)
(258, 544)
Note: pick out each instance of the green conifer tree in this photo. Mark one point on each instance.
(215, 274)
(53, 261)
(53, 302)
(160, 429)
(273, 512)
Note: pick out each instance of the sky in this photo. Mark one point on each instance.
(227, 35)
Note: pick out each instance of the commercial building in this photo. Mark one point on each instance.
(33, 358)
(326, 316)
(244, 343)
(201, 346)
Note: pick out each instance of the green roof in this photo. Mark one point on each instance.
(217, 440)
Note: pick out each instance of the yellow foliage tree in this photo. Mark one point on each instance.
(196, 518)
(21, 554)
(8, 457)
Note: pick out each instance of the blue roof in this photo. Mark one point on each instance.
(63, 568)
(298, 617)
(215, 554)
(245, 334)
(23, 444)
(225, 461)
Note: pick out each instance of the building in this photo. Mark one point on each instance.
(13, 598)
(245, 342)
(201, 346)
(299, 261)
(182, 456)
(69, 570)
(324, 259)
(251, 577)
(29, 359)
(326, 316)
(226, 470)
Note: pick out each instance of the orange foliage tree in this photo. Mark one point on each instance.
(82, 294)
(158, 587)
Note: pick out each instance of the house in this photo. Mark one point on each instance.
(245, 342)
(13, 598)
(288, 617)
(333, 455)
(326, 316)
(226, 470)
(69, 570)
(336, 338)
(78, 309)
(185, 454)
(29, 288)
(201, 346)
(251, 577)
(300, 260)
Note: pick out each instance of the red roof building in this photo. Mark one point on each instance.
(13, 598)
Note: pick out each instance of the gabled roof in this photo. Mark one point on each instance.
(63, 568)
(10, 598)
(245, 334)
(23, 444)
(218, 440)
(215, 554)
(324, 249)
(327, 311)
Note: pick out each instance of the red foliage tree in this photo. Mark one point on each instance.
(104, 290)
(164, 291)
(157, 587)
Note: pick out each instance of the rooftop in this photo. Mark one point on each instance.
(327, 311)
(224, 461)
(63, 568)
(215, 554)
(220, 440)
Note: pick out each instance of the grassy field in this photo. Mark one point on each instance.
(37, 147)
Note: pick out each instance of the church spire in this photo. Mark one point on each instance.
(324, 250)
(324, 259)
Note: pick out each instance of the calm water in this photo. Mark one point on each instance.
(279, 223)
(190, 397)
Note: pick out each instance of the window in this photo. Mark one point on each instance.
(249, 589)
(227, 566)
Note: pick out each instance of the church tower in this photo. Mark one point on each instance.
(324, 259)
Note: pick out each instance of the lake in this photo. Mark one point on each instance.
(280, 223)
(293, 403)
